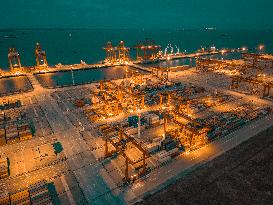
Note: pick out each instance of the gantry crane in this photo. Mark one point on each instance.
(203, 64)
(40, 56)
(14, 59)
(257, 58)
(168, 97)
(147, 50)
(119, 54)
(254, 56)
(110, 51)
(235, 80)
(111, 92)
(268, 57)
(191, 135)
(120, 145)
(123, 53)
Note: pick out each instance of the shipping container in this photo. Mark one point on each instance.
(158, 139)
(11, 134)
(161, 154)
(3, 140)
(173, 151)
(25, 135)
(4, 167)
(164, 160)
(38, 185)
(45, 200)
(23, 127)
(4, 198)
(152, 147)
(21, 197)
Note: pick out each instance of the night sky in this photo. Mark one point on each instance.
(136, 14)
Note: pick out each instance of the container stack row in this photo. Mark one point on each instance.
(35, 194)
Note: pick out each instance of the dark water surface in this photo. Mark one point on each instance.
(192, 61)
(69, 46)
(14, 85)
(65, 78)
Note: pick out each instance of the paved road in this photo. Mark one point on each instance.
(80, 159)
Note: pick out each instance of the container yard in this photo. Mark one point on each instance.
(112, 132)
(136, 102)
(12, 85)
(4, 167)
(15, 126)
(147, 122)
(35, 194)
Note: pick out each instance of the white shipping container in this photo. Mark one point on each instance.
(162, 154)
(134, 130)
(153, 117)
(164, 160)
(152, 147)
(8, 131)
(153, 122)
(158, 139)
(131, 130)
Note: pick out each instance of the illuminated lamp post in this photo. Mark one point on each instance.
(72, 75)
(261, 49)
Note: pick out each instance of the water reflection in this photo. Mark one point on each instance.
(173, 63)
(13, 85)
(192, 61)
(66, 78)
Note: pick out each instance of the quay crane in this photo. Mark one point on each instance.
(40, 56)
(119, 54)
(110, 53)
(147, 50)
(123, 53)
(14, 59)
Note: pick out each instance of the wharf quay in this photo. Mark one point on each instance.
(141, 67)
(62, 68)
(192, 55)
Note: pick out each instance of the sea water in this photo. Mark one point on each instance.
(70, 46)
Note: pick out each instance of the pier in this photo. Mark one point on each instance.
(35, 84)
(147, 52)
(192, 55)
(140, 67)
